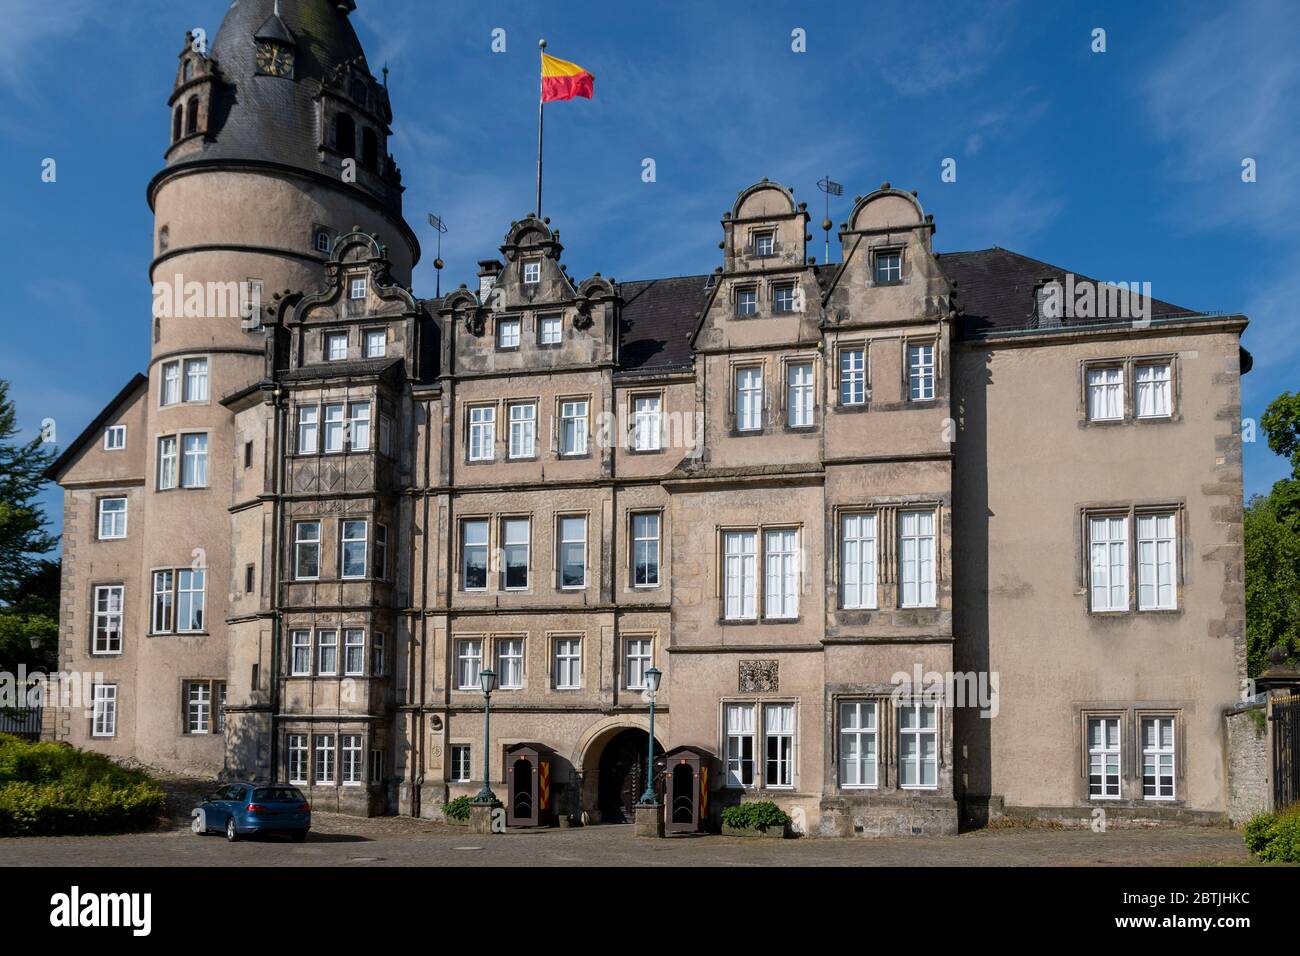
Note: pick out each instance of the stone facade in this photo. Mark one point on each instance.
(797, 490)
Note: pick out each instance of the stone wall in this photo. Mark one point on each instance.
(1246, 733)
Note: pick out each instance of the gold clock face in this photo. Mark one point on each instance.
(274, 60)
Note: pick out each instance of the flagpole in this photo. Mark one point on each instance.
(540, 116)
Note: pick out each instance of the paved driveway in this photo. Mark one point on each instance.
(348, 841)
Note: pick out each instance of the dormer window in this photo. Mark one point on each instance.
(889, 267)
(357, 288)
(746, 301)
(532, 272)
(764, 244)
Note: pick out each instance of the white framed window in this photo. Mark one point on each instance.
(377, 662)
(359, 417)
(853, 376)
(376, 343)
(1103, 758)
(357, 287)
(916, 558)
(918, 746)
(920, 372)
(573, 551)
(323, 242)
(781, 564)
(103, 715)
(335, 427)
(568, 663)
(350, 764)
(171, 384)
(740, 575)
(532, 272)
(645, 550)
(799, 394)
(783, 297)
(190, 594)
(324, 760)
(352, 548)
(550, 330)
(858, 561)
(194, 461)
(327, 653)
(523, 430)
(336, 346)
(107, 637)
(469, 662)
(889, 267)
(859, 743)
(1157, 758)
(515, 553)
(1108, 562)
(1105, 394)
(749, 399)
(573, 427)
(778, 742)
(297, 754)
(308, 429)
(510, 663)
(354, 652)
(196, 380)
(508, 333)
(474, 554)
(646, 423)
(746, 301)
(115, 438)
(198, 707)
(461, 763)
(740, 728)
(482, 432)
(376, 766)
(1157, 559)
(300, 654)
(163, 602)
(112, 518)
(306, 550)
(1154, 396)
(764, 244)
(168, 473)
(381, 552)
(638, 655)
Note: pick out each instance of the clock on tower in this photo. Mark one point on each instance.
(274, 59)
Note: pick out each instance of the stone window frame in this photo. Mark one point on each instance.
(452, 747)
(784, 362)
(552, 660)
(758, 231)
(852, 344)
(366, 333)
(1131, 715)
(886, 719)
(913, 507)
(182, 362)
(500, 530)
(624, 638)
(558, 421)
(524, 265)
(497, 640)
(759, 703)
(539, 320)
(459, 579)
(885, 248)
(632, 395)
(454, 647)
(1124, 716)
(747, 286)
(631, 514)
(896, 732)
(467, 409)
(557, 544)
(774, 285)
(328, 335)
(838, 513)
(734, 367)
(536, 402)
(1131, 511)
(216, 706)
(907, 343)
(1128, 365)
(498, 324)
(1146, 712)
(760, 572)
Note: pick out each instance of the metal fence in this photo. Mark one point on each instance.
(25, 723)
(1284, 712)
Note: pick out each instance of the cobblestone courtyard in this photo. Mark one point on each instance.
(349, 841)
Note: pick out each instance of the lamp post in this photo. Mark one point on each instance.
(487, 679)
(652, 678)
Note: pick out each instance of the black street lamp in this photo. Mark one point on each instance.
(487, 679)
(652, 678)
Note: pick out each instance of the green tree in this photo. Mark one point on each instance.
(29, 585)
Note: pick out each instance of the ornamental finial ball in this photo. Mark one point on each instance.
(826, 224)
(437, 263)
(541, 44)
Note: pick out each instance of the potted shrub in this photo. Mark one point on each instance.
(457, 811)
(758, 818)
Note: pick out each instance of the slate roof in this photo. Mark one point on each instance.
(658, 319)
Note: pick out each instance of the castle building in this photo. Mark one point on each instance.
(808, 494)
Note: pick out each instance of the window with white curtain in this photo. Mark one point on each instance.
(510, 663)
(1157, 557)
(1103, 758)
(920, 372)
(1157, 758)
(858, 561)
(1153, 391)
(646, 423)
(740, 567)
(168, 458)
(1105, 394)
(740, 729)
(568, 663)
(859, 743)
(300, 654)
(636, 661)
(918, 743)
(916, 558)
(196, 380)
(482, 432)
(523, 430)
(171, 384)
(324, 759)
(1108, 562)
(308, 423)
(469, 661)
(194, 461)
(327, 653)
(573, 427)
(781, 564)
(853, 376)
(778, 736)
(334, 428)
(163, 601)
(799, 395)
(360, 420)
(354, 652)
(115, 438)
(749, 399)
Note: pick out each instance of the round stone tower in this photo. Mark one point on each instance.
(278, 138)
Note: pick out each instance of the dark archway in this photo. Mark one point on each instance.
(622, 774)
(521, 790)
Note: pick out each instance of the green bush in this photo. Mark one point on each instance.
(1275, 837)
(52, 789)
(457, 809)
(757, 815)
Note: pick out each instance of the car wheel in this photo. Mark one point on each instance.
(298, 837)
(231, 833)
(199, 823)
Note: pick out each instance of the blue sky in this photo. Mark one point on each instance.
(1120, 165)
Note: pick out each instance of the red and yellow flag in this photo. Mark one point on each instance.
(562, 80)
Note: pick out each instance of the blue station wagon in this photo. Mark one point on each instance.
(245, 809)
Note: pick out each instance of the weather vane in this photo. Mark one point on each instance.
(441, 227)
(831, 188)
